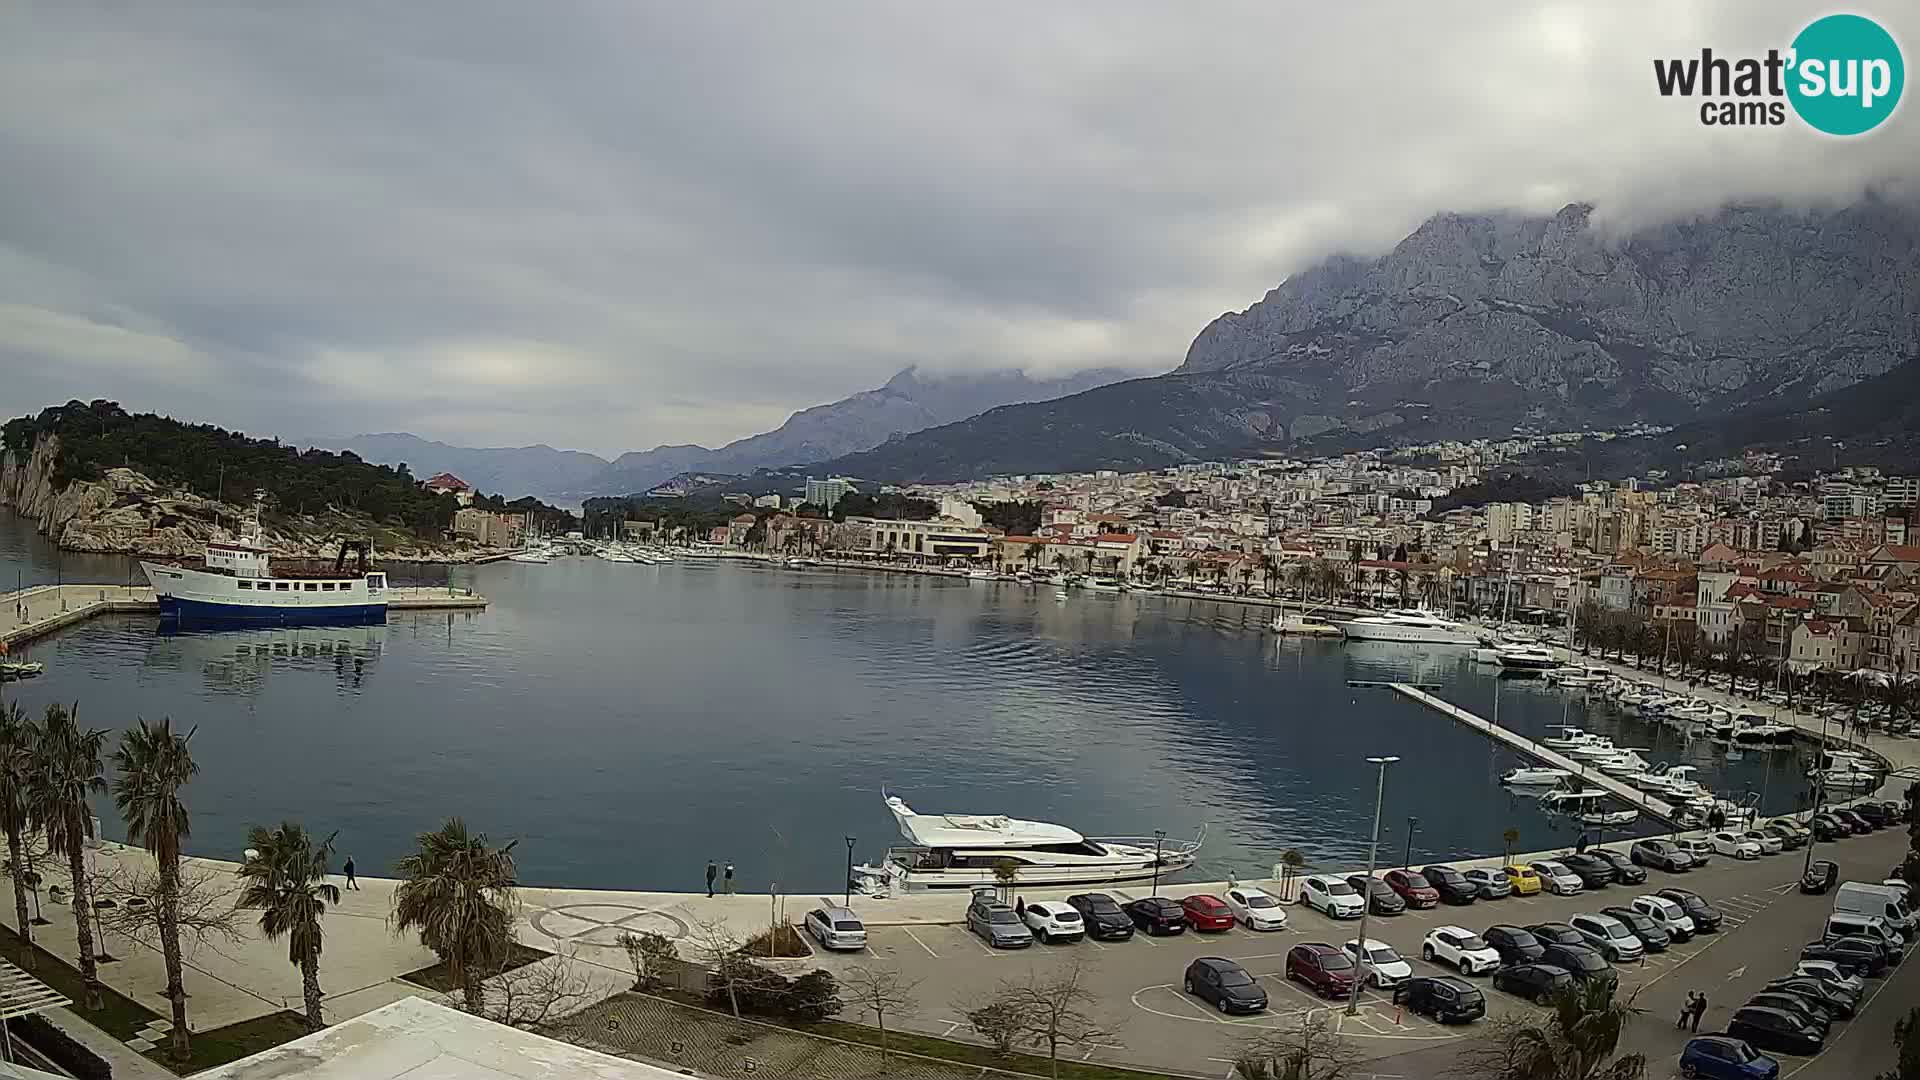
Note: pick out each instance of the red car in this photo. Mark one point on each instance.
(1412, 888)
(1206, 911)
(1324, 969)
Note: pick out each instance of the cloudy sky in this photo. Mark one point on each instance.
(608, 226)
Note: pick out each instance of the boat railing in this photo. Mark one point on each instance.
(1168, 845)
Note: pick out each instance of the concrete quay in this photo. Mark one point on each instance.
(35, 612)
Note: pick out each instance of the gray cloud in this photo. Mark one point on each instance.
(615, 225)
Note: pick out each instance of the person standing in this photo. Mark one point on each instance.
(729, 879)
(1686, 1010)
(713, 871)
(1699, 1010)
(347, 869)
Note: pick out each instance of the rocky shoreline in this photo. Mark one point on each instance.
(126, 513)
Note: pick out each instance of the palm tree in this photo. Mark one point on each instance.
(1404, 577)
(459, 894)
(154, 764)
(287, 883)
(65, 771)
(1300, 575)
(16, 774)
(1060, 560)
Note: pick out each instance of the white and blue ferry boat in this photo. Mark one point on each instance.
(236, 583)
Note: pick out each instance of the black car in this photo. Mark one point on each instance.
(1825, 826)
(1854, 820)
(1593, 871)
(1790, 839)
(1840, 1001)
(1812, 1012)
(1660, 853)
(1557, 933)
(1381, 899)
(1515, 946)
(1226, 984)
(1624, 871)
(1854, 954)
(1535, 982)
(1820, 876)
(1583, 962)
(1102, 916)
(1706, 917)
(1652, 935)
(1452, 886)
(1157, 915)
(1771, 1029)
(1877, 814)
(1446, 999)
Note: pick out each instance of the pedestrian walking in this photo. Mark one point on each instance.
(1020, 906)
(1699, 1010)
(729, 879)
(713, 871)
(347, 868)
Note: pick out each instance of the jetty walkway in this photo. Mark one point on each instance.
(37, 611)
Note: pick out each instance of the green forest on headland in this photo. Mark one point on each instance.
(230, 466)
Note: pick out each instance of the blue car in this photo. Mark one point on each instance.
(1722, 1057)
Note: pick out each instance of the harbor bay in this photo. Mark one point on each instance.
(629, 722)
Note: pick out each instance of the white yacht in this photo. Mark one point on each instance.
(1413, 626)
(531, 555)
(1595, 748)
(1763, 737)
(1526, 658)
(1568, 738)
(1585, 807)
(1526, 777)
(961, 851)
(1845, 771)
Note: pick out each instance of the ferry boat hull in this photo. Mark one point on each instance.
(200, 596)
(204, 611)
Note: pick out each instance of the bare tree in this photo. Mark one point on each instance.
(203, 896)
(732, 972)
(533, 995)
(1308, 1048)
(1053, 1011)
(997, 1021)
(651, 955)
(883, 992)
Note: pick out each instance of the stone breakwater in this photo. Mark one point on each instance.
(126, 513)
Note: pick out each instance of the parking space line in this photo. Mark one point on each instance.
(922, 944)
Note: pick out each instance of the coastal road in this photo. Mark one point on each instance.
(1156, 1025)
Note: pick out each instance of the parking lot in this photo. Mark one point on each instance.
(1140, 996)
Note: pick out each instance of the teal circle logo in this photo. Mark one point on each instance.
(1847, 75)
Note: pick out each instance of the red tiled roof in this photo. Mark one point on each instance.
(1115, 538)
(1023, 539)
(447, 481)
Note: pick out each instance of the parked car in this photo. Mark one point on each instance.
(1381, 898)
(1833, 973)
(1206, 911)
(1451, 884)
(1522, 880)
(1852, 954)
(1331, 896)
(1321, 968)
(1383, 966)
(1624, 872)
(1723, 1057)
(1664, 854)
(1734, 845)
(1706, 917)
(1609, 935)
(1697, 848)
(1446, 999)
(1771, 1029)
(1465, 950)
(1102, 917)
(836, 927)
(1878, 815)
(1666, 914)
(1820, 876)
(996, 924)
(1255, 909)
(1553, 933)
(1157, 915)
(1841, 926)
(1827, 827)
(1854, 821)
(1583, 963)
(1410, 886)
(1790, 839)
(1792, 827)
(1053, 920)
(1653, 937)
(1515, 946)
(1493, 884)
(1770, 844)
(1226, 985)
(1536, 982)
(1556, 878)
(1838, 999)
(1592, 870)
(1810, 1012)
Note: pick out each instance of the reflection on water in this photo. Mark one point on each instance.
(239, 660)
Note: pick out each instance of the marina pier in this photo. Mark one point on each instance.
(34, 612)
(1626, 793)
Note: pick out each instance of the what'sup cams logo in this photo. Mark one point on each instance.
(1842, 75)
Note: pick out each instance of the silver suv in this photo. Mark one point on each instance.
(1615, 940)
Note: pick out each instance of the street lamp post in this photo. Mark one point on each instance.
(1406, 860)
(1366, 901)
(1159, 838)
(848, 900)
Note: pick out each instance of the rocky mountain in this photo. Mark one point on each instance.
(512, 471)
(1476, 324)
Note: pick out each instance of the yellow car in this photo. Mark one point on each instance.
(1524, 881)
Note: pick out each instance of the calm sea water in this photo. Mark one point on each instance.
(627, 722)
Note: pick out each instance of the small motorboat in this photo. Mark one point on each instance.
(20, 669)
(1526, 658)
(1568, 738)
(1061, 594)
(1529, 776)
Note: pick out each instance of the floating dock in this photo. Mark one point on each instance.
(1625, 792)
(38, 611)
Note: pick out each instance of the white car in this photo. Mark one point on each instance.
(1666, 914)
(1556, 878)
(1332, 896)
(1829, 972)
(1464, 949)
(1769, 843)
(1256, 910)
(1734, 845)
(1383, 966)
(1701, 850)
(1053, 921)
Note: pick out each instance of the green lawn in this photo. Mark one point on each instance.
(235, 1041)
(121, 1016)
